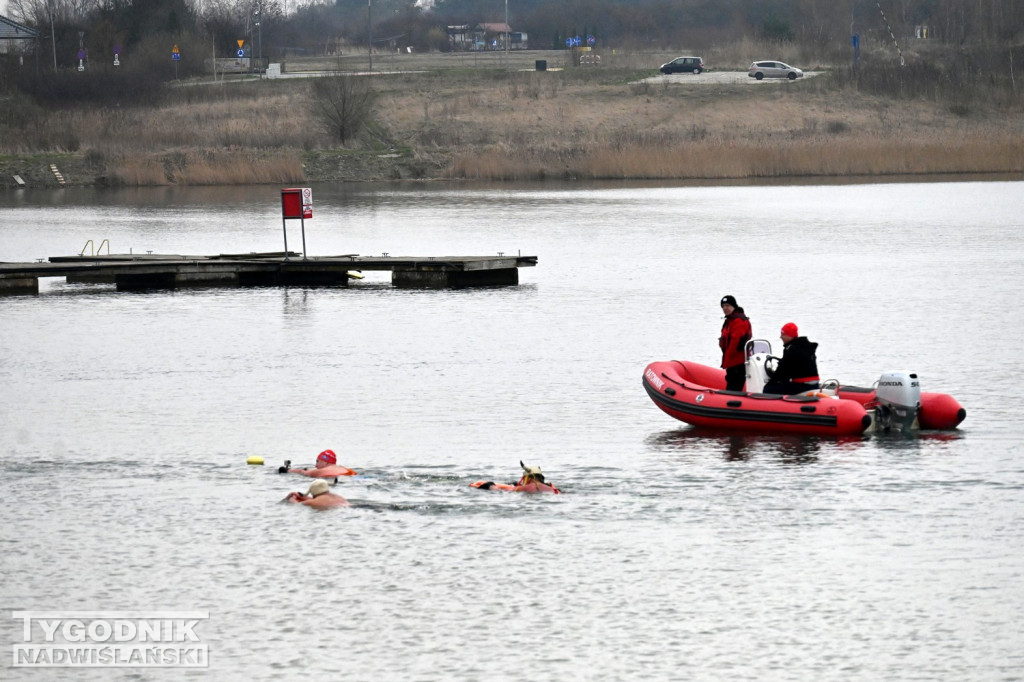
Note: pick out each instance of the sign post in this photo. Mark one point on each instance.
(176, 56)
(296, 202)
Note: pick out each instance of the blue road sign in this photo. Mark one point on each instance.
(241, 52)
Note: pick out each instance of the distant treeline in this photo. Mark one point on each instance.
(272, 26)
(977, 37)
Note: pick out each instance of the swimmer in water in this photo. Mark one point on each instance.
(531, 482)
(326, 467)
(319, 496)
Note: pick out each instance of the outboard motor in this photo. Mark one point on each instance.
(758, 353)
(899, 400)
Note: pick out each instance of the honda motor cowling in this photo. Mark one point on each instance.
(899, 400)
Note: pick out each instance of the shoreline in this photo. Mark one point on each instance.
(325, 167)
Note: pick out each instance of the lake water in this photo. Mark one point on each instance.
(127, 419)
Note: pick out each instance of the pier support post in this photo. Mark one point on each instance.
(296, 276)
(457, 279)
(173, 280)
(90, 279)
(19, 285)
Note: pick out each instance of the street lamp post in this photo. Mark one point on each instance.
(369, 31)
(506, 34)
(257, 16)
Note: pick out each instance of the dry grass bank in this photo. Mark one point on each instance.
(492, 123)
(531, 125)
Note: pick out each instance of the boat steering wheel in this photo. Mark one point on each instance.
(771, 364)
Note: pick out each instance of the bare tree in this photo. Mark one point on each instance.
(41, 12)
(344, 104)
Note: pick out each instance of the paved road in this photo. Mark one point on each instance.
(719, 78)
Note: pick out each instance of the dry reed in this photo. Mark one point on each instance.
(736, 159)
(206, 168)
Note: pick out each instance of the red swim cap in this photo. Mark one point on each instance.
(789, 329)
(328, 456)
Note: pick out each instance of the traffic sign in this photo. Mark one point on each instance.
(241, 42)
(241, 52)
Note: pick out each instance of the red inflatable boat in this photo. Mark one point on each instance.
(695, 394)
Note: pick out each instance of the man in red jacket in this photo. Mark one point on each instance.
(736, 332)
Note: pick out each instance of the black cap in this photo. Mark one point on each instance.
(731, 300)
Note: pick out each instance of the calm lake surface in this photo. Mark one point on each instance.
(127, 418)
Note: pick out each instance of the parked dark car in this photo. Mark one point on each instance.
(683, 65)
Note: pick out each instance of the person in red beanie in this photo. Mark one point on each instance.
(798, 369)
(326, 467)
(736, 332)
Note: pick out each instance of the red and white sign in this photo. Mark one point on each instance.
(307, 202)
(297, 202)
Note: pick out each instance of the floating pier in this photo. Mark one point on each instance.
(151, 271)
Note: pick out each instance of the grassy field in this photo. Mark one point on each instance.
(493, 116)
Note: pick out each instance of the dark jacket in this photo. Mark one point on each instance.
(735, 334)
(798, 362)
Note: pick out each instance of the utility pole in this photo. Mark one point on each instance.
(53, 37)
(369, 31)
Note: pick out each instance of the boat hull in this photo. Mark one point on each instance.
(672, 387)
(695, 394)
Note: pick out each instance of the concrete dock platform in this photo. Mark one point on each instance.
(155, 271)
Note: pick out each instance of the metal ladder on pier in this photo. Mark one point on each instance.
(89, 245)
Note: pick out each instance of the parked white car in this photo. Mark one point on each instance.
(761, 70)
